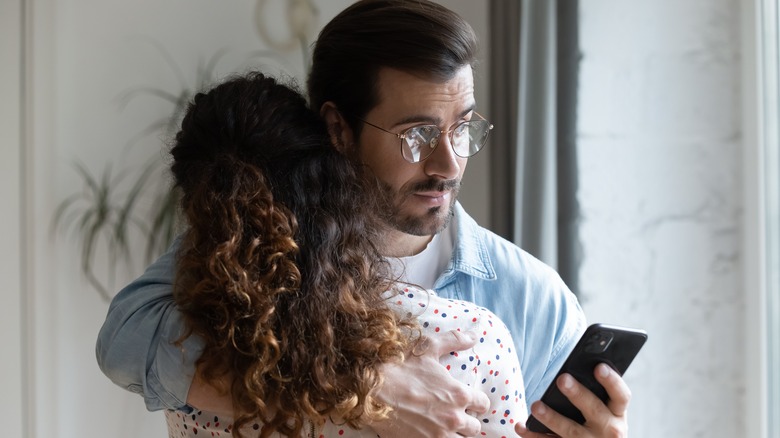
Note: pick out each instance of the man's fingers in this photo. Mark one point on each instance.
(479, 402)
(619, 393)
(592, 408)
(521, 430)
(453, 340)
(600, 419)
(469, 427)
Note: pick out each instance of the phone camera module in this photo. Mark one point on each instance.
(599, 342)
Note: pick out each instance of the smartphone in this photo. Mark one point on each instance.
(601, 343)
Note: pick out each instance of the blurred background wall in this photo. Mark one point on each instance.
(660, 146)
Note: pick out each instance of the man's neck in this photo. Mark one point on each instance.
(399, 244)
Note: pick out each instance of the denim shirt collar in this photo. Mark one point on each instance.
(470, 255)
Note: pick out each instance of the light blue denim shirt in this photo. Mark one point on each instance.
(136, 346)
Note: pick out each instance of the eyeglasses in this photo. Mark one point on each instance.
(418, 143)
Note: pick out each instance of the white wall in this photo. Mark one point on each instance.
(660, 190)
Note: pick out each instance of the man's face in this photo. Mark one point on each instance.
(419, 197)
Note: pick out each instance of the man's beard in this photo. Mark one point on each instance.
(436, 219)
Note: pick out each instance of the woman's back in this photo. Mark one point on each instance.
(491, 366)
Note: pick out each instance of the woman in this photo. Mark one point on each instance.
(279, 274)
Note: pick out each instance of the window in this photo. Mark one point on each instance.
(770, 15)
(761, 31)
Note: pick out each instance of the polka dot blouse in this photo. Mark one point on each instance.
(490, 366)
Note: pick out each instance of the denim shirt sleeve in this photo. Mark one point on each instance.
(555, 321)
(136, 347)
(543, 315)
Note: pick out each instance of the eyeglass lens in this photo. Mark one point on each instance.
(467, 139)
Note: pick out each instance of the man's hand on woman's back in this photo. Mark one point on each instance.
(426, 400)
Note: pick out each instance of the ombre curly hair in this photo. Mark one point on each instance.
(278, 271)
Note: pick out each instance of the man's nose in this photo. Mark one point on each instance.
(443, 163)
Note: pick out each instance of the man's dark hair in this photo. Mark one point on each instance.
(418, 37)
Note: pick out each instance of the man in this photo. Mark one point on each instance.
(393, 80)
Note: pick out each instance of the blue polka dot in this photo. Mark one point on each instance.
(463, 367)
(493, 389)
(425, 324)
(471, 358)
(443, 315)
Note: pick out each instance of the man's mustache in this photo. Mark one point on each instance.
(433, 185)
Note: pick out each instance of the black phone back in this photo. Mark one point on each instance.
(601, 343)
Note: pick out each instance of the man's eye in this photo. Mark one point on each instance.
(426, 133)
(414, 140)
(461, 130)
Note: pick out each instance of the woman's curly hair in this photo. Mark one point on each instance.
(277, 271)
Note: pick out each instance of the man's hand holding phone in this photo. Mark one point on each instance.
(588, 397)
(601, 420)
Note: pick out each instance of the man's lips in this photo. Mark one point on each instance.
(432, 199)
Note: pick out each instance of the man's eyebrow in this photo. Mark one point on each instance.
(429, 120)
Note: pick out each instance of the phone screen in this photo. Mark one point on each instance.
(601, 343)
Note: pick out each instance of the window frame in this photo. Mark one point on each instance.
(761, 227)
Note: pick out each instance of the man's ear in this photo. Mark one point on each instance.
(340, 133)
